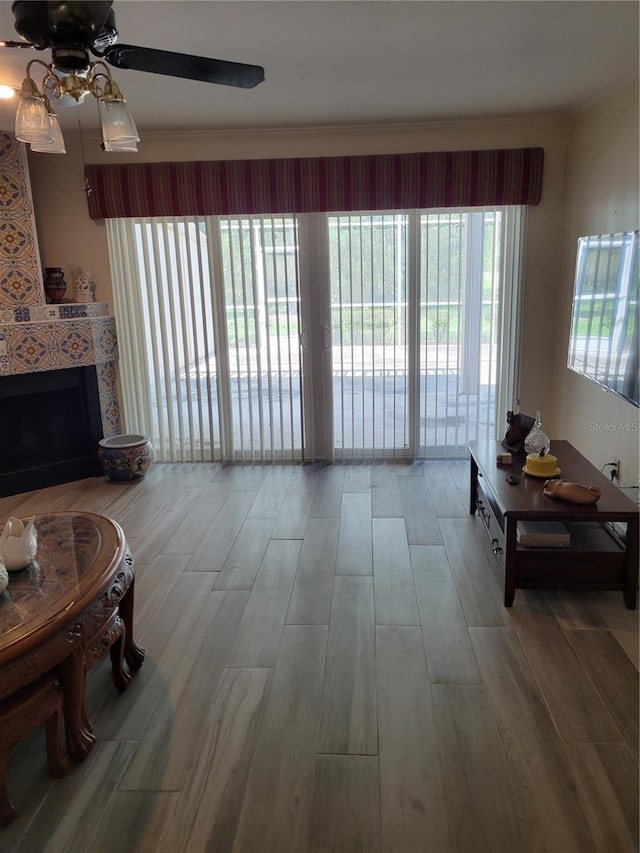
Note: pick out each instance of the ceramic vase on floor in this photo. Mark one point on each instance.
(125, 457)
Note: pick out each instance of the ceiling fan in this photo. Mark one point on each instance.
(72, 30)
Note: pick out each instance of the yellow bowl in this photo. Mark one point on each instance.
(542, 476)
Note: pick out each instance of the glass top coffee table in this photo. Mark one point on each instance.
(65, 610)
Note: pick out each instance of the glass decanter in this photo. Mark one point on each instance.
(537, 442)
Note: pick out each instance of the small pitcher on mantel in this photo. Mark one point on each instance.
(54, 284)
(18, 543)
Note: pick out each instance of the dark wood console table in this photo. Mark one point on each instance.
(598, 557)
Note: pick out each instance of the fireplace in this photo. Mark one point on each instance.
(58, 362)
(50, 425)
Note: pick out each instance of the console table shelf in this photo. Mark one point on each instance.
(597, 557)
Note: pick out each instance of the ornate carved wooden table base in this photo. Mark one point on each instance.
(59, 616)
(26, 710)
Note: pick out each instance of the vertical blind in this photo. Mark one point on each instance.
(259, 277)
(166, 320)
(207, 318)
(461, 290)
(368, 256)
(407, 354)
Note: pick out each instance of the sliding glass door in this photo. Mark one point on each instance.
(461, 328)
(343, 336)
(423, 316)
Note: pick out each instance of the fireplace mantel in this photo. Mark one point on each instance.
(31, 347)
(57, 336)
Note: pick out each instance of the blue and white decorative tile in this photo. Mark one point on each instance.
(107, 371)
(30, 353)
(22, 314)
(12, 195)
(8, 146)
(12, 151)
(68, 312)
(96, 309)
(36, 314)
(43, 313)
(109, 400)
(15, 239)
(110, 411)
(14, 189)
(20, 275)
(21, 281)
(105, 339)
(75, 347)
(19, 285)
(32, 347)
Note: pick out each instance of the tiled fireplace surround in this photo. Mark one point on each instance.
(35, 336)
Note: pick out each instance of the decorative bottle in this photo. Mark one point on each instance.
(54, 284)
(537, 442)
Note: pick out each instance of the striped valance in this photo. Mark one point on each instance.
(317, 184)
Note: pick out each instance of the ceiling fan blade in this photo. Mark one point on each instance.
(16, 44)
(184, 65)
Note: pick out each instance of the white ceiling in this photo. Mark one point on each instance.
(342, 62)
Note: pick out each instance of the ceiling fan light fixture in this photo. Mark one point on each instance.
(117, 124)
(120, 146)
(37, 123)
(56, 146)
(72, 89)
(33, 123)
(75, 31)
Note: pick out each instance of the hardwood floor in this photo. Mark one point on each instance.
(329, 667)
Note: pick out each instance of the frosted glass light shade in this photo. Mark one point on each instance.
(117, 125)
(33, 123)
(120, 146)
(56, 146)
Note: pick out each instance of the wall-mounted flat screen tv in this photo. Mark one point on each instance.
(603, 344)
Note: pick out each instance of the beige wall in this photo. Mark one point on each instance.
(590, 186)
(68, 238)
(602, 197)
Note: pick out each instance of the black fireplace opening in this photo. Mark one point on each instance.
(50, 425)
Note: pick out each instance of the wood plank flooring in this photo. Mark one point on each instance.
(329, 667)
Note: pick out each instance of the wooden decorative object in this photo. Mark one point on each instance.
(572, 492)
